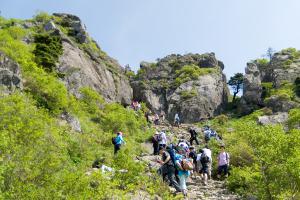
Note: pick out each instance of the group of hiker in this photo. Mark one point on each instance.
(135, 105)
(179, 161)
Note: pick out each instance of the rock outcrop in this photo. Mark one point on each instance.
(192, 85)
(277, 75)
(84, 64)
(10, 76)
(279, 118)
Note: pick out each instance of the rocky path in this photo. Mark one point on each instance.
(214, 190)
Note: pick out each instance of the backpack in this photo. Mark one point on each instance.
(170, 149)
(204, 158)
(113, 140)
(187, 165)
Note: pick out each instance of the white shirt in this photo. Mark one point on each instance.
(163, 138)
(208, 153)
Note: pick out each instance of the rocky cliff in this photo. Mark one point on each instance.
(271, 83)
(83, 63)
(192, 85)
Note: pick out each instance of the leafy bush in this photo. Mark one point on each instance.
(191, 72)
(42, 17)
(221, 119)
(47, 51)
(297, 86)
(187, 94)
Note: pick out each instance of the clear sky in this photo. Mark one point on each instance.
(135, 30)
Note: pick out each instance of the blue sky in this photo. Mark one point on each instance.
(135, 30)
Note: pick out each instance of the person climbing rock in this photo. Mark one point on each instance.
(194, 135)
(118, 141)
(155, 143)
(162, 141)
(223, 162)
(183, 174)
(168, 168)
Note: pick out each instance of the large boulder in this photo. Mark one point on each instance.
(252, 89)
(10, 75)
(279, 118)
(196, 98)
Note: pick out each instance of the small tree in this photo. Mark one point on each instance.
(236, 83)
(270, 53)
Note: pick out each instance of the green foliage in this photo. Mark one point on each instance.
(221, 119)
(266, 89)
(297, 86)
(191, 72)
(264, 159)
(293, 53)
(187, 94)
(263, 63)
(42, 17)
(47, 51)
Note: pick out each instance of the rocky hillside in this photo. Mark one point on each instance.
(272, 83)
(82, 63)
(192, 85)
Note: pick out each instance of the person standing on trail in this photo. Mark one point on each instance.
(177, 120)
(223, 162)
(162, 141)
(168, 168)
(155, 140)
(156, 119)
(204, 159)
(207, 152)
(194, 135)
(118, 141)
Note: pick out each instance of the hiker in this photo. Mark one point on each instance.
(223, 162)
(204, 159)
(207, 134)
(168, 168)
(193, 156)
(194, 135)
(207, 152)
(147, 115)
(162, 116)
(118, 141)
(177, 120)
(156, 119)
(162, 139)
(155, 140)
(183, 173)
(183, 144)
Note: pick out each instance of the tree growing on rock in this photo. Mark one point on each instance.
(236, 83)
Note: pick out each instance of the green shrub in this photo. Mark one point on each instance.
(297, 86)
(42, 17)
(266, 89)
(187, 94)
(221, 119)
(191, 72)
(47, 51)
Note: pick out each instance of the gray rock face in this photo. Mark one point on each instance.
(279, 118)
(195, 99)
(75, 26)
(284, 67)
(10, 76)
(50, 26)
(252, 89)
(81, 71)
(72, 121)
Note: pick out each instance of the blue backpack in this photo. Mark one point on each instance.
(171, 150)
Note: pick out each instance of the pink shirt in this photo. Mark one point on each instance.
(223, 159)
